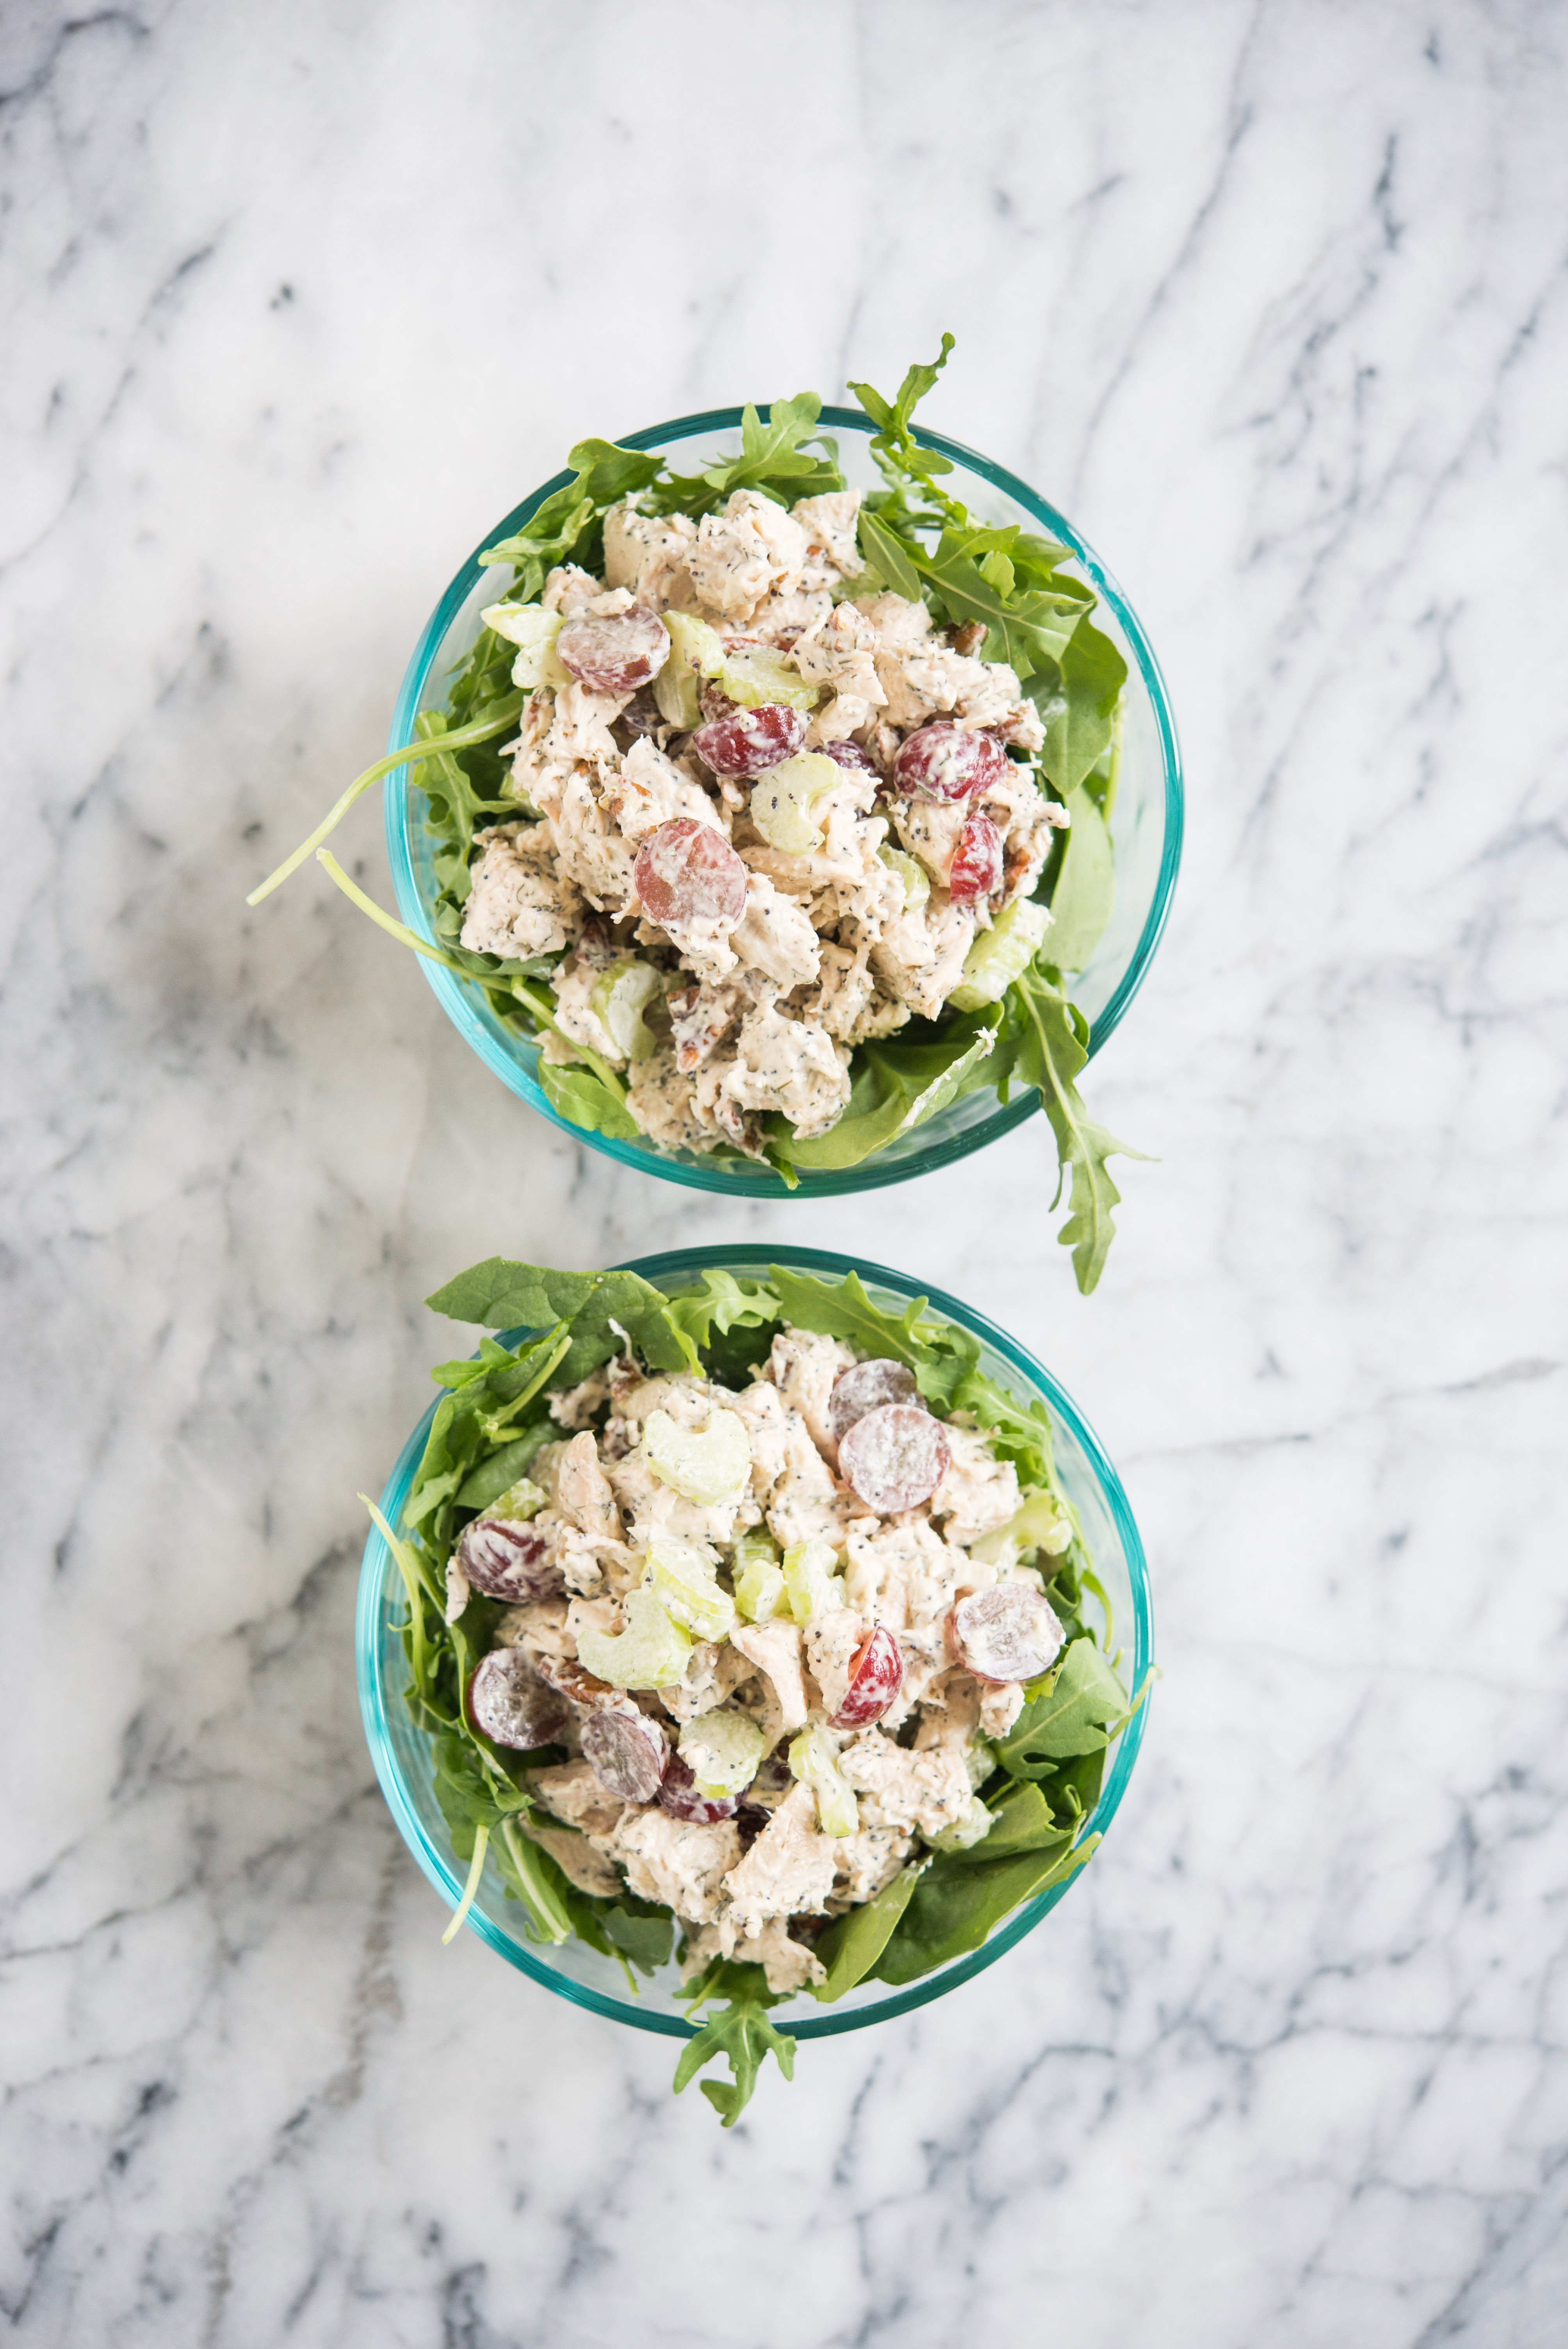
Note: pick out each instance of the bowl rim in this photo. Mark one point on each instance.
(448, 1878)
(458, 999)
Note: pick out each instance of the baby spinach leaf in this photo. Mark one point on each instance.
(583, 1098)
(1084, 893)
(501, 1472)
(1072, 1788)
(1025, 1821)
(1081, 1709)
(854, 1942)
(961, 1898)
(743, 2033)
(894, 1089)
(502, 1294)
(1081, 717)
(643, 1931)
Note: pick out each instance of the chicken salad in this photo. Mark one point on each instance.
(777, 812)
(754, 1626)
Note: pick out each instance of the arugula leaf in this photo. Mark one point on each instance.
(887, 557)
(940, 1356)
(1082, 1708)
(724, 1303)
(1020, 1433)
(772, 460)
(501, 1294)
(742, 2033)
(1052, 1047)
(602, 473)
(962, 1897)
(1031, 626)
(891, 418)
(854, 1942)
(1080, 717)
(1084, 893)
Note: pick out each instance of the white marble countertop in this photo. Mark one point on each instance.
(1272, 300)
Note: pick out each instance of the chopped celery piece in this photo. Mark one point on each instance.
(809, 1579)
(1000, 955)
(518, 1502)
(621, 995)
(1038, 1523)
(682, 1574)
(759, 1590)
(533, 631)
(972, 1828)
(757, 675)
(757, 1576)
(712, 1466)
(650, 1653)
(722, 1749)
(695, 651)
(782, 798)
(912, 873)
(814, 1760)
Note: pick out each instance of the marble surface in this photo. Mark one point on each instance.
(1272, 299)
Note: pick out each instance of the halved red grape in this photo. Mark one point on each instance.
(678, 1795)
(688, 872)
(947, 761)
(749, 742)
(627, 1753)
(895, 1458)
(613, 653)
(865, 1386)
(876, 1675)
(1005, 1633)
(977, 859)
(851, 757)
(512, 1706)
(506, 1561)
(576, 1683)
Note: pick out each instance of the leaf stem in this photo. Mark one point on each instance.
(414, 754)
(476, 1870)
(393, 927)
(412, 1584)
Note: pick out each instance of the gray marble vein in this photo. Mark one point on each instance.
(1274, 298)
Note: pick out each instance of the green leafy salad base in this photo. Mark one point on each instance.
(491, 1420)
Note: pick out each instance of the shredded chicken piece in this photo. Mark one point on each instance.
(520, 904)
(677, 1862)
(774, 1649)
(788, 1965)
(787, 1872)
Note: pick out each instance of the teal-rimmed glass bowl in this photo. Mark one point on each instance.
(401, 1752)
(1146, 820)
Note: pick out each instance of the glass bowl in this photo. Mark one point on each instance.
(1146, 820)
(401, 1752)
